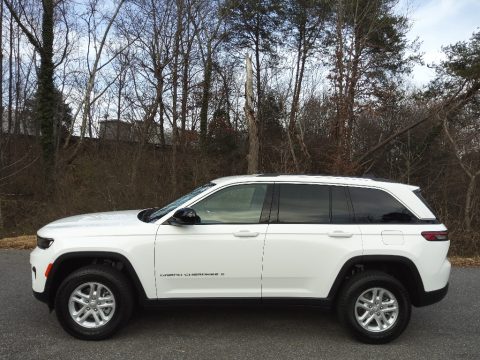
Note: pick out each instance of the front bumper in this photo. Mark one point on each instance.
(41, 296)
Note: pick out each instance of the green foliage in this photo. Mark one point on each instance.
(463, 59)
(221, 135)
(375, 35)
(254, 24)
(62, 114)
(271, 128)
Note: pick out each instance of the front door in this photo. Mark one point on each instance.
(221, 256)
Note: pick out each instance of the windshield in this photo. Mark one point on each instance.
(156, 213)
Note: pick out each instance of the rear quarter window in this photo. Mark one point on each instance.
(418, 193)
(373, 206)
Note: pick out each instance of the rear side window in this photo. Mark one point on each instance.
(377, 206)
(303, 203)
(341, 209)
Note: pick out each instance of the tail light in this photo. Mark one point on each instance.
(435, 235)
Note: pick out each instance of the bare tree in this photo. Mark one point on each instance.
(208, 24)
(468, 167)
(87, 101)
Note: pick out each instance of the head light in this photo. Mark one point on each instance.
(44, 243)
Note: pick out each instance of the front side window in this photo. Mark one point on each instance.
(239, 204)
(304, 203)
(151, 215)
(377, 206)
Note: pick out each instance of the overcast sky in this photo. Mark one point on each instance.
(437, 23)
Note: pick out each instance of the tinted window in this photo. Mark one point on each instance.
(341, 212)
(422, 199)
(377, 206)
(241, 204)
(304, 204)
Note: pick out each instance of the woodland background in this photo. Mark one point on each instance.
(330, 92)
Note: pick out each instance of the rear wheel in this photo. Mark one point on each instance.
(94, 302)
(374, 306)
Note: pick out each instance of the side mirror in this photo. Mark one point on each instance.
(185, 216)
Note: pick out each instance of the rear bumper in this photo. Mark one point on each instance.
(431, 297)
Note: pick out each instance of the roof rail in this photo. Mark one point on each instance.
(375, 178)
(366, 177)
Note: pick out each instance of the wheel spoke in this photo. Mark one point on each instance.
(102, 315)
(96, 318)
(98, 291)
(363, 306)
(104, 306)
(80, 294)
(80, 300)
(92, 289)
(385, 321)
(380, 295)
(363, 316)
(368, 321)
(80, 311)
(363, 299)
(389, 309)
(84, 316)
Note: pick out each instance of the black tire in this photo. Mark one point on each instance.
(362, 282)
(115, 281)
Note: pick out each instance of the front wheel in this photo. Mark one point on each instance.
(374, 306)
(94, 302)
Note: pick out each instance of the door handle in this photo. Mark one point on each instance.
(245, 233)
(340, 234)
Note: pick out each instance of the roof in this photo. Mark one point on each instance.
(324, 179)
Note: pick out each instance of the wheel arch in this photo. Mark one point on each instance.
(402, 268)
(66, 263)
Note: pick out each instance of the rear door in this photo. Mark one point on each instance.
(310, 237)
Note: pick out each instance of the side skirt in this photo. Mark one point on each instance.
(323, 303)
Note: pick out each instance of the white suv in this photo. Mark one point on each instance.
(371, 248)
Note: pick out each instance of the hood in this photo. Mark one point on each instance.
(97, 224)
(94, 219)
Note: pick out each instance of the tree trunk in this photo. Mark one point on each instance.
(17, 87)
(259, 119)
(176, 55)
(253, 149)
(1, 74)
(46, 88)
(183, 117)
(207, 78)
(10, 79)
(302, 53)
(1, 70)
(338, 130)
(469, 202)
